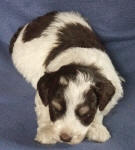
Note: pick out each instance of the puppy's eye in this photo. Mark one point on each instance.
(88, 115)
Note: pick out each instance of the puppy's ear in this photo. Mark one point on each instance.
(104, 90)
(45, 87)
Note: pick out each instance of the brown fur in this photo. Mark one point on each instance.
(13, 39)
(36, 27)
(74, 35)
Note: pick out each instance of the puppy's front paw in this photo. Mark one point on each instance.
(44, 139)
(98, 133)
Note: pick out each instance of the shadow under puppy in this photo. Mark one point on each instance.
(76, 83)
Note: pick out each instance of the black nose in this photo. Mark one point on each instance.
(65, 137)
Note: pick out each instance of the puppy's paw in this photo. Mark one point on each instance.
(98, 133)
(43, 139)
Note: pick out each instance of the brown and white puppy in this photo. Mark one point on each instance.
(76, 83)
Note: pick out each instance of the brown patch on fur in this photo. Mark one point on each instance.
(13, 39)
(56, 105)
(56, 113)
(92, 103)
(51, 91)
(36, 27)
(105, 91)
(83, 110)
(74, 35)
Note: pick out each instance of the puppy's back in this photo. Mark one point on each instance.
(38, 43)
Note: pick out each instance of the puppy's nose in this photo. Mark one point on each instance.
(65, 137)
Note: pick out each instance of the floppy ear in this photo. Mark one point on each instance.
(104, 91)
(45, 87)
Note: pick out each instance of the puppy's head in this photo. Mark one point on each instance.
(73, 94)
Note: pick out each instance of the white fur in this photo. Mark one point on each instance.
(29, 58)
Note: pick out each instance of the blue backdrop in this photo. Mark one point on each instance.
(114, 22)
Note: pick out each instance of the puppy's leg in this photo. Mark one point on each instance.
(45, 135)
(97, 131)
(45, 131)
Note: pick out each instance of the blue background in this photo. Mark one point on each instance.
(114, 22)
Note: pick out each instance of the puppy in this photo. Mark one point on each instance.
(75, 81)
